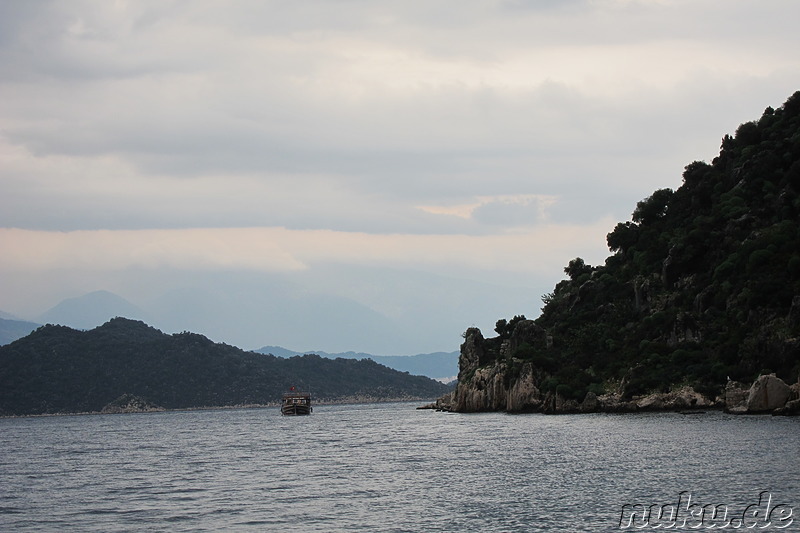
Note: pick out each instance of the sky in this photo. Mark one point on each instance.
(354, 175)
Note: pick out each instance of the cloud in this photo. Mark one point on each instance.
(401, 106)
(463, 138)
(432, 285)
(515, 210)
(189, 249)
(279, 249)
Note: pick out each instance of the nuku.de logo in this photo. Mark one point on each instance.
(685, 514)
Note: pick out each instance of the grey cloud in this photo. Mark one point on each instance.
(368, 118)
(173, 112)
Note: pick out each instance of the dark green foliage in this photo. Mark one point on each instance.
(653, 208)
(701, 283)
(504, 328)
(577, 268)
(56, 369)
(623, 237)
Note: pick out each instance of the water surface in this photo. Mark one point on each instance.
(381, 467)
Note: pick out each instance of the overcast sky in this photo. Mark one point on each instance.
(146, 145)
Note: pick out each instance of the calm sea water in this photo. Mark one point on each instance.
(382, 467)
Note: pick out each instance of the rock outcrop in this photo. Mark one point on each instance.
(490, 381)
(792, 408)
(736, 397)
(680, 399)
(523, 395)
(129, 403)
(767, 394)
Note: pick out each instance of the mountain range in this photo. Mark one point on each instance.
(442, 366)
(367, 309)
(57, 369)
(91, 310)
(95, 308)
(12, 329)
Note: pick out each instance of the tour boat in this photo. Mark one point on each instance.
(296, 403)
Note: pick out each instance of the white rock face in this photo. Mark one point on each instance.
(524, 395)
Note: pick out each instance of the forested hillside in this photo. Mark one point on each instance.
(703, 284)
(56, 369)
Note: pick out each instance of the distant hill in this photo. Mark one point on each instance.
(702, 287)
(57, 369)
(12, 329)
(437, 365)
(248, 310)
(91, 310)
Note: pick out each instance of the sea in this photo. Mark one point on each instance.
(393, 468)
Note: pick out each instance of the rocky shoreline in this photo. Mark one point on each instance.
(502, 382)
(129, 403)
(767, 395)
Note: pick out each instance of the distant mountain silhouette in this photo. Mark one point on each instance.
(261, 312)
(91, 310)
(248, 312)
(12, 329)
(437, 365)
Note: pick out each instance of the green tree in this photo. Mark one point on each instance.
(576, 268)
(653, 207)
(625, 235)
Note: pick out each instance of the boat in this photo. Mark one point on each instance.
(296, 403)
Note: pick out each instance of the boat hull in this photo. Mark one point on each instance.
(296, 410)
(296, 404)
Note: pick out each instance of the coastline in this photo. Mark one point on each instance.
(269, 405)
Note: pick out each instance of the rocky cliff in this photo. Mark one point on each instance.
(514, 385)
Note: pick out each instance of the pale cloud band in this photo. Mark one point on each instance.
(537, 250)
(539, 202)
